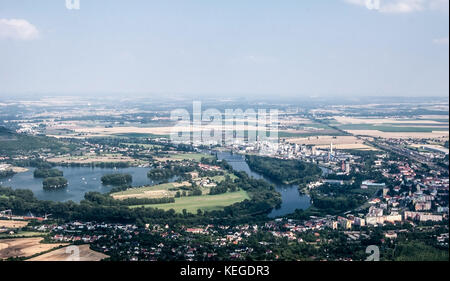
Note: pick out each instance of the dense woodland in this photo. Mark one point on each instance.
(286, 171)
(54, 183)
(117, 179)
(47, 173)
(170, 171)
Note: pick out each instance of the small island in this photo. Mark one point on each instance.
(47, 173)
(54, 183)
(117, 179)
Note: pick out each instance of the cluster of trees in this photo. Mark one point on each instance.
(194, 191)
(224, 186)
(106, 200)
(98, 164)
(35, 163)
(161, 174)
(170, 171)
(337, 199)
(117, 179)
(47, 173)
(286, 171)
(6, 173)
(54, 183)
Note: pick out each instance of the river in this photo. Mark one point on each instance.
(290, 196)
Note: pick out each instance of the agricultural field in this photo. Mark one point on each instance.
(66, 254)
(418, 127)
(94, 158)
(12, 224)
(204, 203)
(24, 247)
(126, 131)
(339, 142)
(300, 127)
(157, 191)
(22, 234)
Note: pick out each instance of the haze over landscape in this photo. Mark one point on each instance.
(220, 48)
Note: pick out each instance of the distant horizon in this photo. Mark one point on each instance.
(217, 96)
(233, 48)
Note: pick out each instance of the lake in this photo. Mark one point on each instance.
(81, 180)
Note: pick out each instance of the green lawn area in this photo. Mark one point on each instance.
(205, 203)
(219, 179)
(167, 186)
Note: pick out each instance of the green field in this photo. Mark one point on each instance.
(205, 203)
(218, 179)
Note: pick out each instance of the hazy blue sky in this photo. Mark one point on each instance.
(225, 47)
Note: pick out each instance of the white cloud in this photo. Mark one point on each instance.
(18, 29)
(441, 41)
(403, 6)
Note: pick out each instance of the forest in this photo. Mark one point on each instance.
(117, 179)
(285, 171)
(47, 173)
(54, 183)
